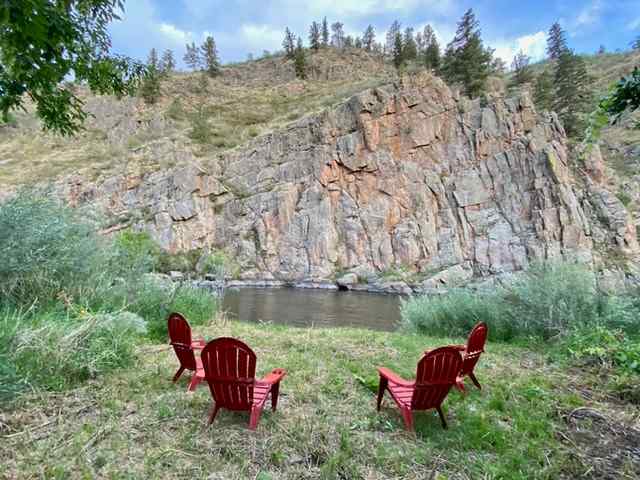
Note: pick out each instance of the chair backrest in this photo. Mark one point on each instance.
(437, 373)
(475, 347)
(230, 369)
(180, 338)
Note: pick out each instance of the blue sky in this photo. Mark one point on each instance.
(241, 27)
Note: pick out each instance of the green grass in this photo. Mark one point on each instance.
(545, 302)
(136, 424)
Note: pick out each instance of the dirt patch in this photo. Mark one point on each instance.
(605, 447)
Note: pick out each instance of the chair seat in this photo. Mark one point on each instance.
(260, 393)
(401, 394)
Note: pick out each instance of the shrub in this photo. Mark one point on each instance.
(547, 300)
(154, 299)
(137, 250)
(201, 131)
(454, 313)
(219, 264)
(605, 346)
(175, 110)
(46, 248)
(181, 261)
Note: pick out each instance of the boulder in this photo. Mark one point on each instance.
(347, 280)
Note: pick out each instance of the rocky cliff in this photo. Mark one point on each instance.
(408, 176)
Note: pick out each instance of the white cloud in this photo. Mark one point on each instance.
(140, 30)
(175, 34)
(358, 8)
(589, 14)
(533, 45)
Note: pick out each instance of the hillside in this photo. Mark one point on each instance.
(353, 170)
(128, 135)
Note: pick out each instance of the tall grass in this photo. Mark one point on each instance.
(74, 304)
(548, 300)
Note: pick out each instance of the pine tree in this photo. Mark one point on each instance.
(358, 42)
(636, 43)
(409, 47)
(152, 60)
(397, 51)
(192, 56)
(572, 95)
(602, 50)
(325, 32)
(314, 36)
(432, 48)
(556, 41)
(167, 63)
(337, 37)
(543, 91)
(349, 42)
(466, 60)
(288, 44)
(498, 66)
(521, 70)
(150, 85)
(369, 38)
(300, 61)
(210, 56)
(420, 45)
(389, 45)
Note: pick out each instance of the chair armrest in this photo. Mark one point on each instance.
(461, 348)
(198, 343)
(392, 377)
(274, 377)
(460, 385)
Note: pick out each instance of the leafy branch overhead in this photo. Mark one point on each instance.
(625, 96)
(43, 43)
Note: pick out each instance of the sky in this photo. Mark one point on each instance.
(242, 27)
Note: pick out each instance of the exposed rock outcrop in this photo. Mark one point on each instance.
(409, 176)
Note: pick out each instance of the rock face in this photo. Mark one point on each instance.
(406, 176)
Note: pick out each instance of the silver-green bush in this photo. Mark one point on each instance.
(545, 301)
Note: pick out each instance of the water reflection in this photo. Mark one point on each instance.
(307, 307)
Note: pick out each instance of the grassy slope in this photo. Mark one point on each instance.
(136, 424)
(235, 113)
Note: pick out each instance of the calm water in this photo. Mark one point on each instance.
(307, 307)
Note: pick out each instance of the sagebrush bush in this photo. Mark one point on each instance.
(73, 304)
(546, 301)
(46, 248)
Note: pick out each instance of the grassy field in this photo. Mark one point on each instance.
(534, 418)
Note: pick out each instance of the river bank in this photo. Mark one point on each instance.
(534, 418)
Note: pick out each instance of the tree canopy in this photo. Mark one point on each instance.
(466, 60)
(43, 43)
(625, 96)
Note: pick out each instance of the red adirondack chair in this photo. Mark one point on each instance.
(230, 368)
(184, 346)
(471, 352)
(437, 372)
